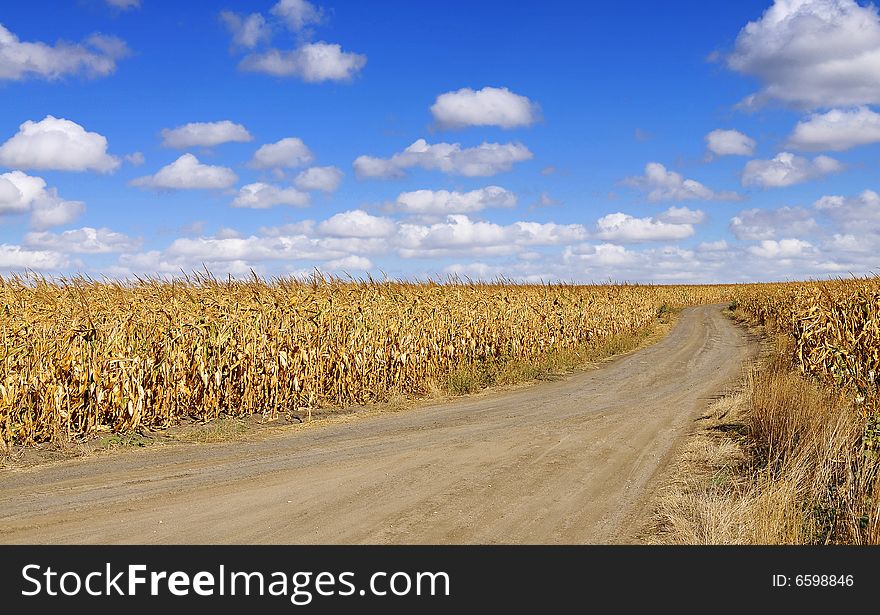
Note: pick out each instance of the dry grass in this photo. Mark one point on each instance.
(782, 462)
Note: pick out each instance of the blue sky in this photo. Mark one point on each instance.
(668, 142)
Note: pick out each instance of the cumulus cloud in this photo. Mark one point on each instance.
(606, 254)
(86, 240)
(311, 62)
(205, 134)
(187, 173)
(758, 224)
(57, 144)
(18, 258)
(458, 234)
(812, 53)
(784, 248)
(325, 179)
(279, 244)
(95, 57)
(445, 202)
(836, 130)
(53, 211)
(297, 14)
(135, 158)
(480, 161)
(848, 243)
(713, 246)
(857, 214)
(730, 143)
(247, 31)
(356, 223)
(286, 153)
(260, 195)
(658, 264)
(622, 227)
(682, 215)
(18, 191)
(487, 107)
(21, 193)
(786, 169)
(664, 185)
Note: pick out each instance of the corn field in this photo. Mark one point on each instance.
(835, 326)
(80, 357)
(821, 442)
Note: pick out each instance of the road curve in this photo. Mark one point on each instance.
(570, 461)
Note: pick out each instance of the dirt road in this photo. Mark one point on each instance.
(558, 462)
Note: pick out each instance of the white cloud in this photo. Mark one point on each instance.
(812, 53)
(261, 196)
(625, 228)
(786, 169)
(482, 160)
(837, 130)
(356, 223)
(325, 179)
(53, 211)
(487, 107)
(247, 31)
(297, 14)
(713, 246)
(205, 134)
(18, 191)
(21, 193)
(682, 215)
(849, 243)
(446, 202)
(187, 173)
(859, 214)
(755, 224)
(311, 62)
(784, 248)
(135, 158)
(290, 244)
(288, 153)
(349, 263)
(664, 185)
(606, 254)
(124, 4)
(730, 143)
(86, 240)
(226, 232)
(459, 235)
(95, 57)
(57, 144)
(606, 261)
(18, 258)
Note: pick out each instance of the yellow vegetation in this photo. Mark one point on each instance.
(80, 357)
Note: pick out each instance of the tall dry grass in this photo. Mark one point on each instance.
(816, 481)
(783, 461)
